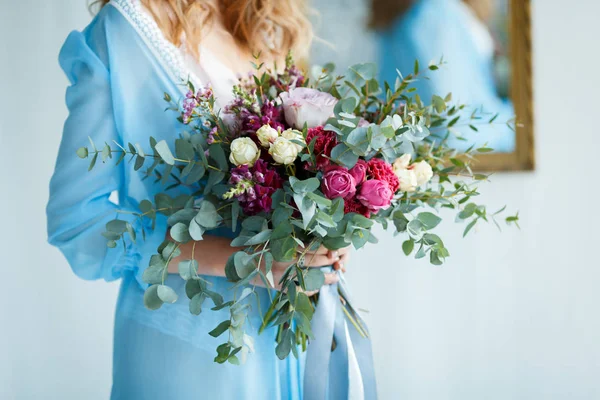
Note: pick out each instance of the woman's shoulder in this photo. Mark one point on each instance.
(94, 38)
(122, 29)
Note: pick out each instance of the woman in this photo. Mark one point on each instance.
(426, 30)
(119, 67)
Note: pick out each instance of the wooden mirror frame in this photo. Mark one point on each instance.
(523, 156)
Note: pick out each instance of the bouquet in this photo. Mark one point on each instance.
(291, 164)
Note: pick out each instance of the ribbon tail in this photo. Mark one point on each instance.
(347, 372)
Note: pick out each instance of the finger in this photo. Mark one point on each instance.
(334, 255)
(341, 263)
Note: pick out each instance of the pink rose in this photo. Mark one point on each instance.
(338, 182)
(306, 105)
(375, 194)
(359, 171)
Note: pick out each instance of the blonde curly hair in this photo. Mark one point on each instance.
(271, 27)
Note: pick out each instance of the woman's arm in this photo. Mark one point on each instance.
(79, 206)
(213, 252)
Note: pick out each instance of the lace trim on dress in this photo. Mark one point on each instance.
(169, 55)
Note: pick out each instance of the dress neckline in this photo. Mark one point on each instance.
(175, 60)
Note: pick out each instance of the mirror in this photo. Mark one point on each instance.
(486, 50)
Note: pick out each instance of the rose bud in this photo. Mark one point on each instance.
(338, 182)
(243, 152)
(375, 195)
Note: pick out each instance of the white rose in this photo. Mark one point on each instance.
(423, 172)
(266, 135)
(292, 134)
(243, 151)
(283, 151)
(408, 179)
(306, 105)
(402, 162)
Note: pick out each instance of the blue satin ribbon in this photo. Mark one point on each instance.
(327, 374)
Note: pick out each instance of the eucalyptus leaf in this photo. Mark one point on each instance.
(162, 148)
(151, 299)
(188, 269)
(166, 294)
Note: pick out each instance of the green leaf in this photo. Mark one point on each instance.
(429, 220)
(196, 173)
(285, 345)
(304, 306)
(344, 155)
(222, 353)
(82, 152)
(93, 162)
(421, 253)
(415, 228)
(434, 258)
(188, 269)
(155, 274)
(196, 303)
(314, 279)
(162, 148)
(208, 216)
(216, 153)
(230, 271)
(358, 141)
(180, 232)
(116, 226)
(408, 246)
(244, 264)
(196, 231)
(222, 327)
(400, 221)
(216, 298)
(254, 223)
(151, 299)
(469, 227)
(468, 211)
(259, 238)
(284, 250)
(166, 294)
(184, 149)
(430, 239)
(308, 185)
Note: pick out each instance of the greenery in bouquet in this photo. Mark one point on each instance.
(291, 164)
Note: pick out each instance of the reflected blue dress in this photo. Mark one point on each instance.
(431, 29)
(119, 67)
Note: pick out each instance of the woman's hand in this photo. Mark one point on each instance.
(321, 257)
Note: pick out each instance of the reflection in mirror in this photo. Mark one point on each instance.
(485, 46)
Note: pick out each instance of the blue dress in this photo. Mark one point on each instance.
(431, 29)
(119, 67)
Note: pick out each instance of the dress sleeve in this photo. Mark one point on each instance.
(433, 29)
(79, 206)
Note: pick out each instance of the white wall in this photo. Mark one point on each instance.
(512, 315)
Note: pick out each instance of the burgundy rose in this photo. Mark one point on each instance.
(359, 171)
(325, 142)
(338, 182)
(375, 194)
